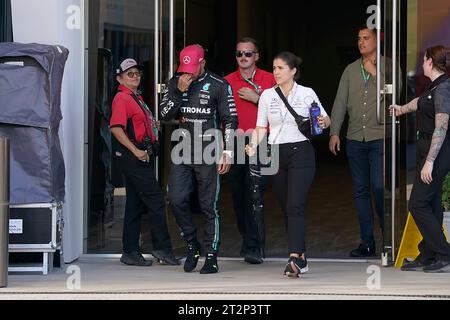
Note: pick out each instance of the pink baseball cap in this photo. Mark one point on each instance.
(190, 59)
(128, 64)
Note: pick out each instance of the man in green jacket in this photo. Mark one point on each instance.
(357, 96)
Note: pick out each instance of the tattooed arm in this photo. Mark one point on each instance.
(407, 108)
(410, 107)
(440, 132)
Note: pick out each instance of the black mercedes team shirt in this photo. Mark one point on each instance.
(208, 104)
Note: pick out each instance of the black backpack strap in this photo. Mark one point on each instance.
(144, 109)
(288, 106)
(303, 123)
(140, 104)
(299, 119)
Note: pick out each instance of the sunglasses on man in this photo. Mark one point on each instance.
(248, 54)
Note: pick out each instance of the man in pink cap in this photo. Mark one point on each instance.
(203, 101)
(192, 59)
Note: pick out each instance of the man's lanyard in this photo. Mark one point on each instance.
(254, 85)
(366, 75)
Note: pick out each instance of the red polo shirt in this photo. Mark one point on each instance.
(248, 111)
(128, 115)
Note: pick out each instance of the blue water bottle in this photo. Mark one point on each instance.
(314, 113)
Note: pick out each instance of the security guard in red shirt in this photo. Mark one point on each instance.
(132, 124)
(247, 184)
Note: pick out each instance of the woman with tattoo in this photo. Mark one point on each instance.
(433, 162)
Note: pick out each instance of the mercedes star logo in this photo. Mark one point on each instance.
(186, 60)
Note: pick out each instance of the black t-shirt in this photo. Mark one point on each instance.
(435, 99)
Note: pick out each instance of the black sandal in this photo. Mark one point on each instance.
(296, 266)
(292, 269)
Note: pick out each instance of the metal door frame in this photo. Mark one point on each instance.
(390, 88)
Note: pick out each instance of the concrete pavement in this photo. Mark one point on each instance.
(102, 278)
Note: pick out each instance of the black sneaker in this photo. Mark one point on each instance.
(296, 266)
(135, 259)
(416, 265)
(166, 257)
(210, 265)
(192, 256)
(364, 250)
(438, 266)
(253, 256)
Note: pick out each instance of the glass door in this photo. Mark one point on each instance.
(170, 38)
(148, 31)
(169, 41)
(409, 28)
(429, 26)
(116, 30)
(390, 87)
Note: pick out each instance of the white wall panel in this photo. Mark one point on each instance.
(61, 22)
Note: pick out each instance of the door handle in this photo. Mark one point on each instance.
(160, 88)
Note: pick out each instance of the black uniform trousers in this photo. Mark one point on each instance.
(143, 194)
(182, 181)
(242, 193)
(425, 202)
(291, 184)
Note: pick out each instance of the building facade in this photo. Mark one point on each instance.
(100, 33)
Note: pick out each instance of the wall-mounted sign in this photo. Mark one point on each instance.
(16, 226)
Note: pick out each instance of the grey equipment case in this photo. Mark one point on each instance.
(30, 114)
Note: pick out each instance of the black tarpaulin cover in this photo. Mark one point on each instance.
(30, 114)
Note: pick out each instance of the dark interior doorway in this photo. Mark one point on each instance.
(324, 34)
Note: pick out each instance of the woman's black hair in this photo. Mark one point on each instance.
(291, 60)
(440, 56)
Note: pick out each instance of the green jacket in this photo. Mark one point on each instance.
(359, 100)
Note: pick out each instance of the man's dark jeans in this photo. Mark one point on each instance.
(366, 166)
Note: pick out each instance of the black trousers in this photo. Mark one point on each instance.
(291, 184)
(143, 194)
(242, 188)
(181, 186)
(425, 203)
